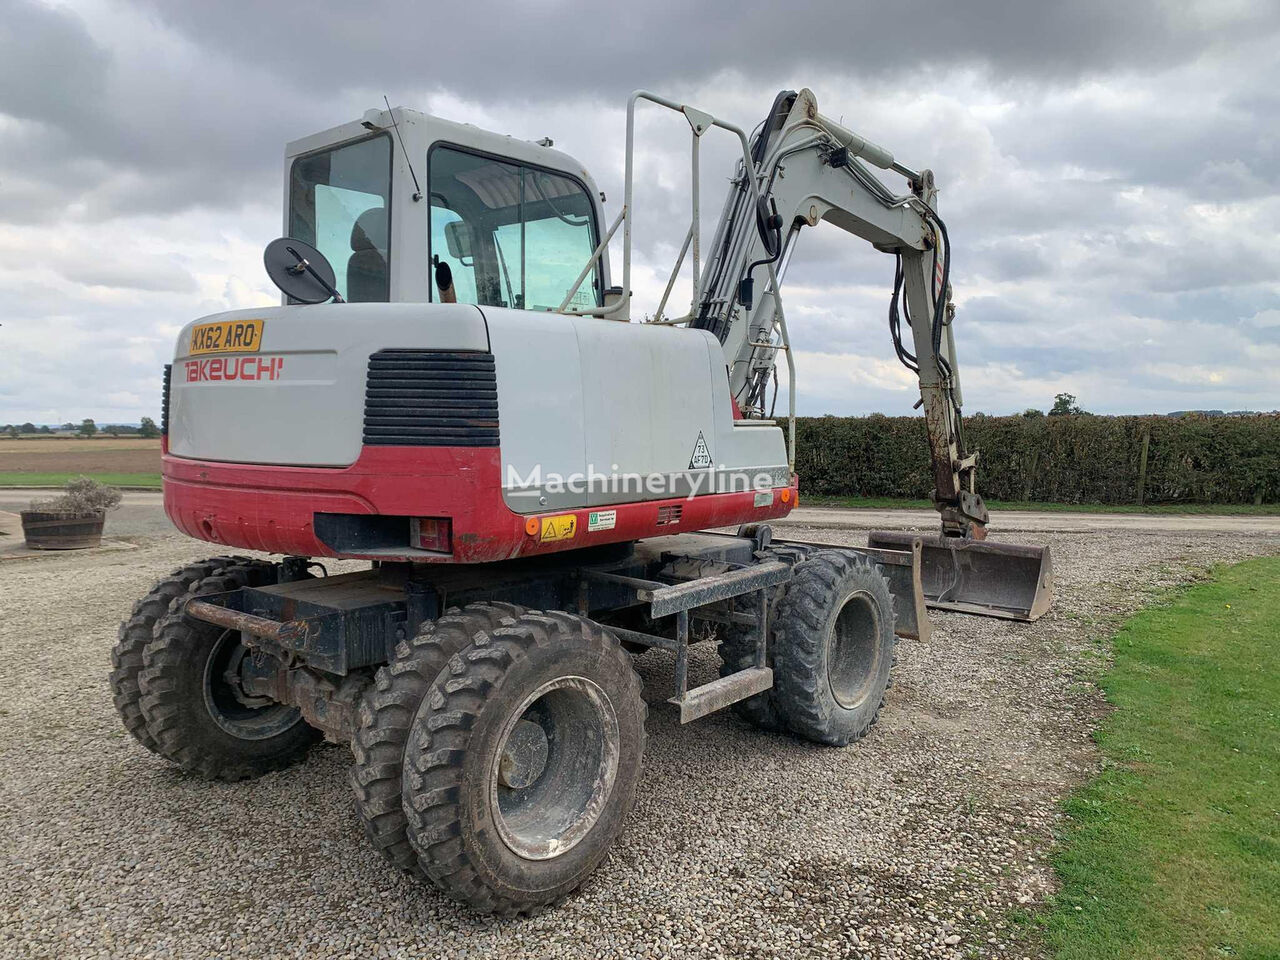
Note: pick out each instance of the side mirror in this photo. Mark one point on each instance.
(457, 238)
(300, 271)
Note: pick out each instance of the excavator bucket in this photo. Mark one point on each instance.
(1007, 580)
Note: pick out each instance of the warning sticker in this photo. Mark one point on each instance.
(764, 498)
(701, 458)
(601, 520)
(560, 527)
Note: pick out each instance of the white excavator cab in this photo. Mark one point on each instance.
(392, 199)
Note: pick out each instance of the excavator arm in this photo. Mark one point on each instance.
(809, 168)
(800, 168)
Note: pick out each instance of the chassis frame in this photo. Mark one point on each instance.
(316, 641)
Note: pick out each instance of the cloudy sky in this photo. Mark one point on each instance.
(1110, 173)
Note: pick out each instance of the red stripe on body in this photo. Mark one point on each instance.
(270, 508)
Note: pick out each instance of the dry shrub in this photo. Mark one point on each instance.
(81, 497)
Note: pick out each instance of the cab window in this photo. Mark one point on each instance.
(512, 235)
(338, 203)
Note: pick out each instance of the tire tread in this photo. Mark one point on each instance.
(166, 659)
(737, 650)
(386, 717)
(436, 755)
(800, 638)
(139, 630)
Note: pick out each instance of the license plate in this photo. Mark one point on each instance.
(226, 336)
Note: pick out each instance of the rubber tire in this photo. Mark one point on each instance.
(136, 632)
(737, 649)
(385, 718)
(172, 684)
(807, 614)
(453, 745)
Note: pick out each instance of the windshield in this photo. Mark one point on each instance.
(513, 235)
(338, 203)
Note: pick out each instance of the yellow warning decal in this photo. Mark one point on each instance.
(563, 526)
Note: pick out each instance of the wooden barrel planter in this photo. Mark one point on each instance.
(58, 531)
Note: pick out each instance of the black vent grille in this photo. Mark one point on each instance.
(431, 398)
(164, 401)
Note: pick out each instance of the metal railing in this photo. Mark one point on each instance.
(699, 122)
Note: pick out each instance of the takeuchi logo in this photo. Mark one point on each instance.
(218, 369)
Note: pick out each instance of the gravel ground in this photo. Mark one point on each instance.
(920, 841)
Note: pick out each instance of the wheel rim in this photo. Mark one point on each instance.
(555, 768)
(236, 713)
(853, 650)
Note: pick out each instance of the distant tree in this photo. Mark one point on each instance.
(87, 428)
(13, 432)
(68, 426)
(1031, 413)
(149, 428)
(1064, 404)
(28, 427)
(45, 429)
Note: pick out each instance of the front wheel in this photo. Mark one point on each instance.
(523, 762)
(737, 646)
(833, 647)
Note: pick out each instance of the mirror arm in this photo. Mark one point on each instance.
(304, 264)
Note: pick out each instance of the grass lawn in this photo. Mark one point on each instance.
(58, 479)
(889, 503)
(1174, 851)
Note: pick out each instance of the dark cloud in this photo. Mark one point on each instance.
(488, 49)
(137, 121)
(1110, 172)
(51, 69)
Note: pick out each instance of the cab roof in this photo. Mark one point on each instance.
(420, 130)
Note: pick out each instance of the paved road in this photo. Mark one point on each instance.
(1033, 522)
(141, 514)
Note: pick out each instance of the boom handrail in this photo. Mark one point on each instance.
(699, 123)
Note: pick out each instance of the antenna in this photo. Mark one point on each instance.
(417, 190)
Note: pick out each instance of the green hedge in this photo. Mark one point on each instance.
(1065, 459)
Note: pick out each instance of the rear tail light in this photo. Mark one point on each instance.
(431, 533)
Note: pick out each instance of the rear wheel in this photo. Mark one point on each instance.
(386, 716)
(523, 762)
(136, 632)
(833, 647)
(196, 710)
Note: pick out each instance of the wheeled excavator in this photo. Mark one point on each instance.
(533, 493)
